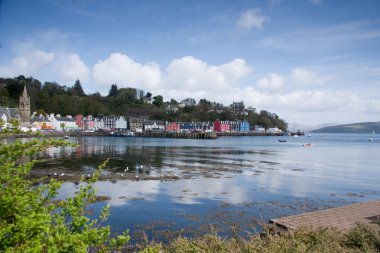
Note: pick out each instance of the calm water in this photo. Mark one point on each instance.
(224, 183)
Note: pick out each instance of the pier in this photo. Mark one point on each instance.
(342, 218)
(195, 135)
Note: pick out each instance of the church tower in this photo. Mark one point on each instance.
(24, 106)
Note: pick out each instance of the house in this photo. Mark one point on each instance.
(172, 127)
(137, 124)
(154, 125)
(259, 129)
(109, 122)
(238, 107)
(120, 123)
(98, 123)
(89, 123)
(63, 123)
(9, 113)
(244, 126)
(41, 122)
(274, 130)
(222, 126)
(79, 121)
(171, 108)
(234, 126)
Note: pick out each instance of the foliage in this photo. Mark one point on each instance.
(158, 101)
(362, 238)
(33, 220)
(54, 98)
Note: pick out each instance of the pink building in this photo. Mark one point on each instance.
(172, 127)
(79, 121)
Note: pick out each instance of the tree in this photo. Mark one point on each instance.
(158, 101)
(32, 220)
(77, 89)
(113, 91)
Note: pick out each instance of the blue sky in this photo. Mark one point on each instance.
(310, 61)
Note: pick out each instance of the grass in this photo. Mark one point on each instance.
(362, 238)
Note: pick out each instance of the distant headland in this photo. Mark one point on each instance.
(363, 127)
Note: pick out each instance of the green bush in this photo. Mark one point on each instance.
(32, 220)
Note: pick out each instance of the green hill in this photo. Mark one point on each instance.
(364, 127)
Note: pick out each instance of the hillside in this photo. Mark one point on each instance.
(364, 127)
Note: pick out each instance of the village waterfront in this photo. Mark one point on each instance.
(166, 187)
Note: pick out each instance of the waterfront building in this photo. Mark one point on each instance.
(234, 126)
(136, 124)
(66, 123)
(41, 122)
(109, 122)
(98, 122)
(154, 125)
(172, 127)
(89, 123)
(244, 126)
(259, 129)
(120, 123)
(79, 121)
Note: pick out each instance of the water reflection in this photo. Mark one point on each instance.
(254, 175)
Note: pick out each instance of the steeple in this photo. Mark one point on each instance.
(24, 106)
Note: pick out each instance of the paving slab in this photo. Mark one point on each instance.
(343, 218)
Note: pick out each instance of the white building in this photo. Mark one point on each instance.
(63, 123)
(121, 123)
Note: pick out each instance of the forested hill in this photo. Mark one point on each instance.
(365, 127)
(50, 97)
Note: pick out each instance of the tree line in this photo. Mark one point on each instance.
(51, 97)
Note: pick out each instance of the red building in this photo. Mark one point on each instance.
(172, 127)
(222, 126)
(79, 121)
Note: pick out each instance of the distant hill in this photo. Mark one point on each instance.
(364, 127)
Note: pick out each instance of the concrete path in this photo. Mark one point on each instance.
(343, 218)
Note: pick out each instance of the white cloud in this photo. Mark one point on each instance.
(72, 68)
(272, 82)
(119, 68)
(251, 20)
(28, 64)
(191, 74)
(305, 76)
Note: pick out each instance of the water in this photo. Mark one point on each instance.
(226, 185)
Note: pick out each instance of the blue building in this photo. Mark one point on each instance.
(244, 126)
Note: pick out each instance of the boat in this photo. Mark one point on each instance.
(307, 145)
(370, 139)
(282, 140)
(66, 137)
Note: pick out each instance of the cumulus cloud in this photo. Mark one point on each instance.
(71, 68)
(272, 82)
(121, 69)
(251, 20)
(191, 74)
(305, 76)
(28, 64)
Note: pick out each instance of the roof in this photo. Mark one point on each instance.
(151, 122)
(66, 119)
(39, 119)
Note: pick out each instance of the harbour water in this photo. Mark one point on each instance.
(224, 185)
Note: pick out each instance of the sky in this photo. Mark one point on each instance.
(311, 62)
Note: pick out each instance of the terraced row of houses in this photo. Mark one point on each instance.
(90, 123)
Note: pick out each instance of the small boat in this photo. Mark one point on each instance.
(370, 139)
(307, 145)
(282, 140)
(66, 137)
